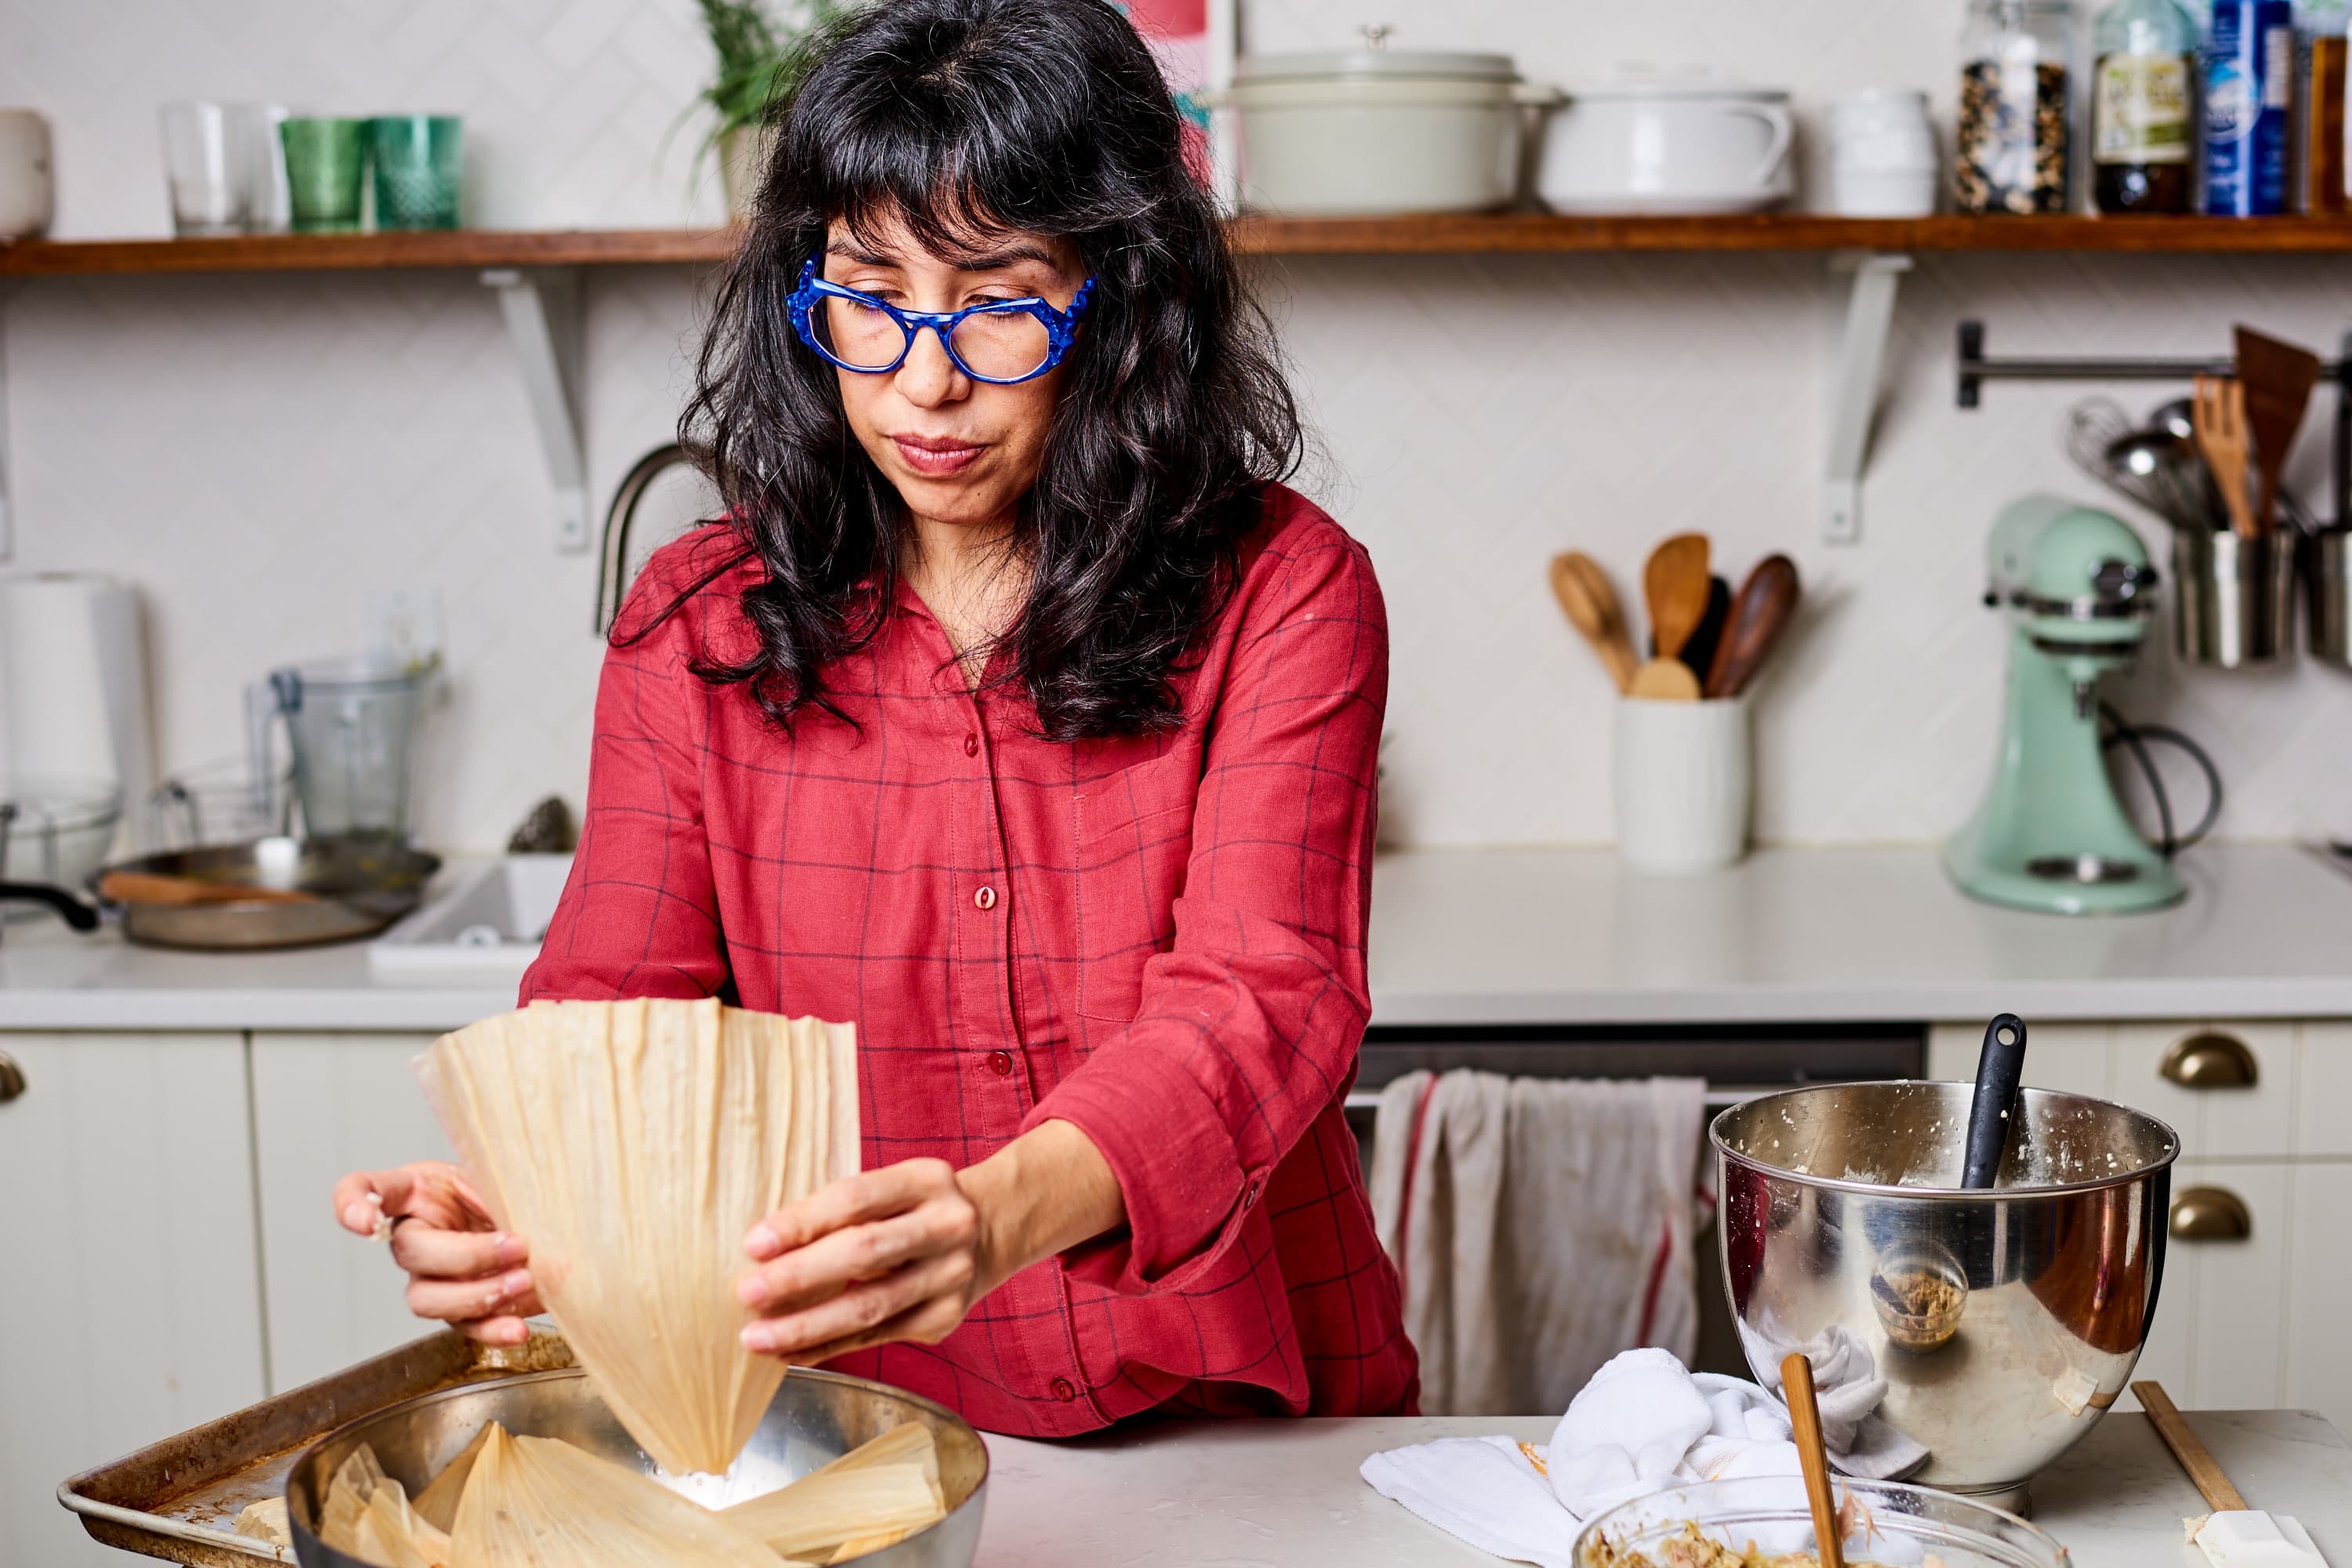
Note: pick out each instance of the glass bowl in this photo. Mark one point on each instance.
(1889, 1525)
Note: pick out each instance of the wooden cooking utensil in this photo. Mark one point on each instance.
(2233, 1532)
(146, 888)
(1675, 584)
(2221, 414)
(1805, 1418)
(1665, 680)
(1760, 612)
(2278, 378)
(1707, 636)
(1591, 608)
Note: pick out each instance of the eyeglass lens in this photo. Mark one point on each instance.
(999, 344)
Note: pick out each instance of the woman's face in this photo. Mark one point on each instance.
(959, 450)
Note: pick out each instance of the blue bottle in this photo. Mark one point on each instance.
(2249, 81)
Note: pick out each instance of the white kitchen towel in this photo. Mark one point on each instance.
(1644, 1424)
(1539, 1227)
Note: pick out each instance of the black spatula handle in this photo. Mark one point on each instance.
(1990, 1115)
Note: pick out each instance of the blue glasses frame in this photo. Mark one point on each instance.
(1061, 326)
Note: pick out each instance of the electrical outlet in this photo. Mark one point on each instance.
(404, 627)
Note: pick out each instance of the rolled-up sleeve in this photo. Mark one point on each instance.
(639, 916)
(1249, 1024)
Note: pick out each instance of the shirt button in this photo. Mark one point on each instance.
(985, 898)
(1001, 1063)
(1065, 1390)
(972, 745)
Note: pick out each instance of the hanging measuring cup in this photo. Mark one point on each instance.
(351, 731)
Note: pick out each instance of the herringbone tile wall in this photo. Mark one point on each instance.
(255, 451)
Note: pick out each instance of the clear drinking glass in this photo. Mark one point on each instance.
(207, 161)
(325, 159)
(351, 727)
(268, 210)
(419, 169)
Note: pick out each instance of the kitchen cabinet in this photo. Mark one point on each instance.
(131, 1299)
(2242, 1323)
(322, 1105)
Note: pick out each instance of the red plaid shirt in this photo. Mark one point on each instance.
(1159, 940)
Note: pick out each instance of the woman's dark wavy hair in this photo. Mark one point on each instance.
(967, 118)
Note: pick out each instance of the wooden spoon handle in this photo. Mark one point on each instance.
(2220, 1495)
(1805, 1418)
(146, 888)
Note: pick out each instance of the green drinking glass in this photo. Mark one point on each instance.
(419, 162)
(324, 160)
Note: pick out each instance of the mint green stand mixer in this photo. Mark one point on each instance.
(2078, 588)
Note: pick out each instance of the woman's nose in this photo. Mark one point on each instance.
(927, 377)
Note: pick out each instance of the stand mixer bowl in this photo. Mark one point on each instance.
(2004, 1322)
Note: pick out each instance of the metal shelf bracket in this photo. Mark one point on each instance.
(541, 305)
(1854, 389)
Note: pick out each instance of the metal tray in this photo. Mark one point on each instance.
(179, 1499)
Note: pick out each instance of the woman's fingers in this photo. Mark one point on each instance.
(506, 1331)
(861, 1252)
(461, 1301)
(863, 1313)
(429, 1189)
(852, 1200)
(429, 1251)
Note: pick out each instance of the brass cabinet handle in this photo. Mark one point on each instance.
(12, 1078)
(2210, 1214)
(2211, 1059)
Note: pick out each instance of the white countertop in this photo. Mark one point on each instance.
(1511, 936)
(1286, 1494)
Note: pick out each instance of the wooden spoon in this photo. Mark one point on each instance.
(1665, 680)
(2220, 416)
(1591, 608)
(147, 888)
(1675, 584)
(1760, 612)
(2278, 378)
(1805, 1418)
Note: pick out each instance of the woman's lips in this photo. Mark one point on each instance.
(936, 455)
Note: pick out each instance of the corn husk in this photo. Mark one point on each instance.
(437, 1503)
(366, 1514)
(539, 1502)
(348, 1491)
(266, 1521)
(632, 1144)
(870, 1498)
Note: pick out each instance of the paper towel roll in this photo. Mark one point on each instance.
(73, 668)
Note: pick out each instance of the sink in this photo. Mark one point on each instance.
(484, 928)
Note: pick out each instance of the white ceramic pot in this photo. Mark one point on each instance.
(1374, 131)
(1668, 148)
(1882, 155)
(28, 190)
(1683, 783)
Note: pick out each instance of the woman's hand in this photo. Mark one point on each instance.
(902, 1252)
(462, 1270)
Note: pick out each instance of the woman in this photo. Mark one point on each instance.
(1018, 714)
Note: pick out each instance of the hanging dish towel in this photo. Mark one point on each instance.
(1644, 1424)
(1540, 1226)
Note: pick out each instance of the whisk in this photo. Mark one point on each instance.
(2150, 467)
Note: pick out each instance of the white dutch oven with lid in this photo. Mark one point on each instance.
(1374, 130)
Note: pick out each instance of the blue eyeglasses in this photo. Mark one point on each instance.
(1001, 341)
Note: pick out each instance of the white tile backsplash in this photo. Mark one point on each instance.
(255, 451)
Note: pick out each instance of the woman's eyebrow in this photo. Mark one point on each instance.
(989, 261)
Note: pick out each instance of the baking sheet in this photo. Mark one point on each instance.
(178, 1500)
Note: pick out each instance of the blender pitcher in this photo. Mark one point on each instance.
(351, 729)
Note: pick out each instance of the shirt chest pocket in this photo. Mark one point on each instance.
(1134, 833)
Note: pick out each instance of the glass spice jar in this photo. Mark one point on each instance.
(2014, 107)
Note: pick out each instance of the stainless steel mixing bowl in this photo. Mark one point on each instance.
(2004, 1322)
(815, 1416)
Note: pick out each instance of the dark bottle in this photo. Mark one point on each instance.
(2143, 108)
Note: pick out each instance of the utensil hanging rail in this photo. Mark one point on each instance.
(1975, 368)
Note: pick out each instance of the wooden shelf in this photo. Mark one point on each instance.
(1541, 232)
(483, 247)
(1522, 233)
